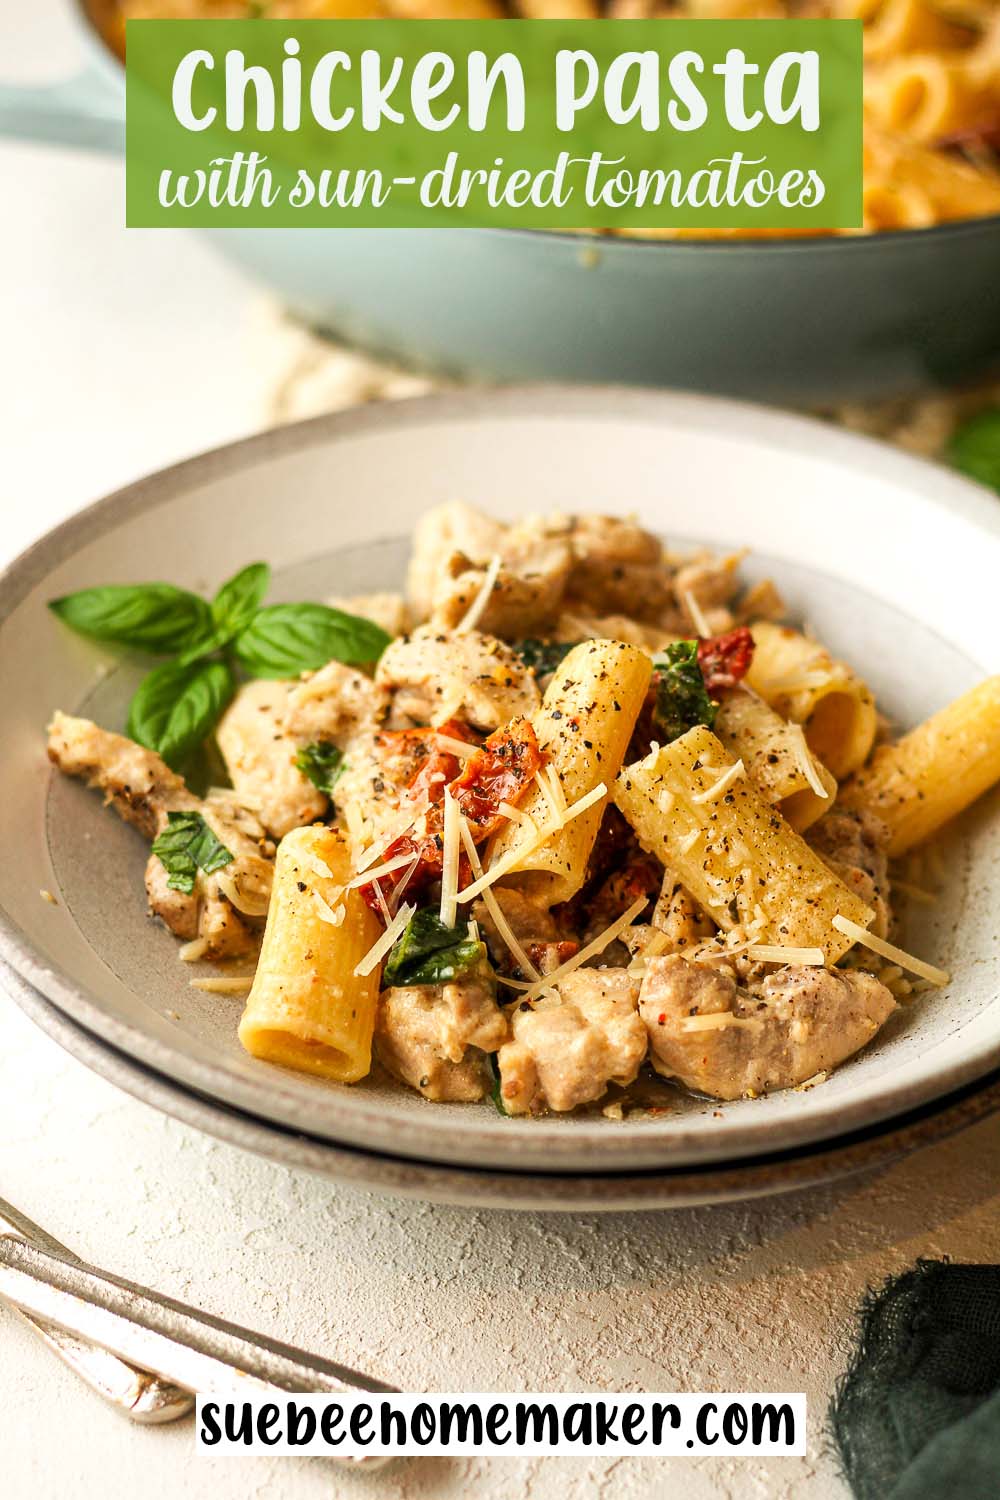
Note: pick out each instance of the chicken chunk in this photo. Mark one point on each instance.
(567, 1055)
(713, 583)
(619, 568)
(336, 703)
(438, 535)
(260, 758)
(226, 906)
(529, 921)
(435, 1037)
(855, 845)
(800, 1021)
(435, 675)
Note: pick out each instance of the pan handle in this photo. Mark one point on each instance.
(84, 111)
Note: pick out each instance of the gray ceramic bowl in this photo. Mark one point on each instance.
(803, 322)
(331, 503)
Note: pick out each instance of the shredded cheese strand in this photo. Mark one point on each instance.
(474, 613)
(391, 834)
(379, 949)
(715, 1021)
(774, 953)
(695, 614)
(367, 876)
(397, 894)
(192, 951)
(494, 908)
(223, 986)
(731, 774)
(459, 748)
(889, 950)
(806, 764)
(449, 862)
(550, 981)
(333, 916)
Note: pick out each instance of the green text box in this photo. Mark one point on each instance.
(325, 152)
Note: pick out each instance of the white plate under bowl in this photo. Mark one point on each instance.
(892, 561)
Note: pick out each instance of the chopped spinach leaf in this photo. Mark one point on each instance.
(428, 952)
(496, 1094)
(543, 657)
(323, 763)
(188, 845)
(682, 699)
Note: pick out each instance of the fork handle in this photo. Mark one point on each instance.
(181, 1344)
(140, 1396)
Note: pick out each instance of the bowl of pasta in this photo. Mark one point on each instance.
(908, 303)
(640, 816)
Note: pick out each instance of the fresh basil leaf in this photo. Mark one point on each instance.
(231, 611)
(147, 616)
(323, 764)
(177, 706)
(682, 699)
(286, 639)
(236, 603)
(975, 448)
(543, 657)
(428, 952)
(188, 845)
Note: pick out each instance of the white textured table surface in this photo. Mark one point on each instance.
(121, 352)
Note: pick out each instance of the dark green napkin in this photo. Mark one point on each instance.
(917, 1416)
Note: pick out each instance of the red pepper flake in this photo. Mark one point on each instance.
(725, 659)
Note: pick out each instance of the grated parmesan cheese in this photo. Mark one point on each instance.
(460, 748)
(722, 784)
(411, 870)
(494, 908)
(550, 981)
(773, 953)
(449, 861)
(695, 613)
(394, 831)
(805, 762)
(190, 953)
(367, 876)
(716, 1020)
(243, 901)
(689, 840)
(223, 986)
(889, 950)
(474, 613)
(332, 916)
(379, 949)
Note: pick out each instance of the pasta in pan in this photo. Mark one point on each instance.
(532, 863)
(932, 82)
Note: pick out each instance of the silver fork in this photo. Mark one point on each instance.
(154, 1336)
(136, 1393)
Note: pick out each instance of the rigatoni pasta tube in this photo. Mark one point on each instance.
(776, 756)
(307, 1009)
(801, 681)
(934, 772)
(697, 811)
(583, 727)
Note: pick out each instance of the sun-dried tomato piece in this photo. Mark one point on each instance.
(500, 771)
(725, 659)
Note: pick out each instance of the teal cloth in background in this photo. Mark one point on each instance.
(917, 1416)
